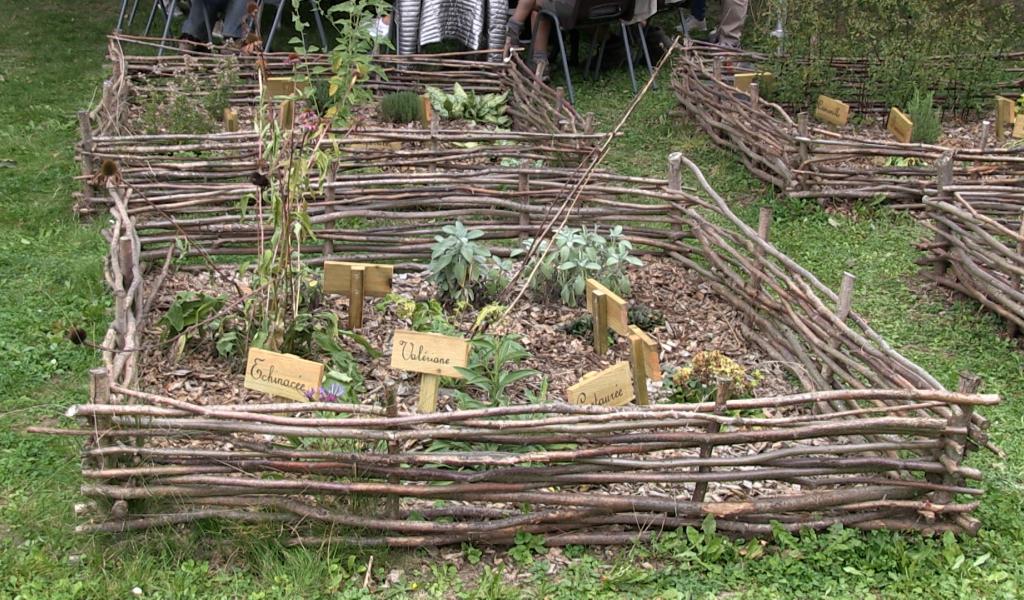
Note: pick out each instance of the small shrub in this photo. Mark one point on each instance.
(697, 382)
(927, 124)
(488, 109)
(578, 255)
(401, 107)
(461, 267)
(190, 104)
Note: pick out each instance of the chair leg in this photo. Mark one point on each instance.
(600, 54)
(152, 17)
(131, 15)
(647, 54)
(120, 15)
(629, 54)
(274, 25)
(167, 26)
(206, 20)
(565, 59)
(315, 5)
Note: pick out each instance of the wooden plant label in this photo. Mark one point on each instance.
(608, 310)
(611, 387)
(286, 115)
(431, 354)
(357, 280)
(276, 87)
(1005, 109)
(230, 119)
(1018, 127)
(900, 125)
(283, 375)
(650, 352)
(742, 81)
(428, 110)
(618, 319)
(832, 111)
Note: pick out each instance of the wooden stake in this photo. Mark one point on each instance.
(429, 385)
(1011, 328)
(721, 397)
(391, 407)
(842, 312)
(802, 129)
(716, 68)
(600, 322)
(755, 95)
(986, 125)
(943, 179)
(85, 128)
(99, 393)
(355, 305)
(524, 189)
(639, 364)
(675, 177)
(764, 221)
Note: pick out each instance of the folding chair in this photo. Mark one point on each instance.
(575, 14)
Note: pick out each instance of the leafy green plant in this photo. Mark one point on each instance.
(645, 317)
(194, 316)
(460, 266)
(904, 161)
(697, 382)
(488, 109)
(927, 122)
(526, 547)
(576, 255)
(401, 107)
(491, 365)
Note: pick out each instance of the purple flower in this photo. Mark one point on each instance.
(332, 393)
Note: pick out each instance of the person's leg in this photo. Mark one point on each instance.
(730, 29)
(515, 23)
(234, 16)
(694, 21)
(194, 27)
(698, 9)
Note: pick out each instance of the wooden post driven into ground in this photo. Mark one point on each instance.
(357, 280)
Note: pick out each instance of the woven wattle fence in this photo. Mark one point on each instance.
(978, 251)
(181, 172)
(873, 441)
(806, 161)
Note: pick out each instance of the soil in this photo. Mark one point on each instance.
(959, 134)
(695, 320)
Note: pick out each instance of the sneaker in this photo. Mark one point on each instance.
(693, 25)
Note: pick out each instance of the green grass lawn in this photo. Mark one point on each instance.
(51, 64)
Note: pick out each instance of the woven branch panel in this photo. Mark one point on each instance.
(873, 442)
(218, 168)
(978, 254)
(849, 77)
(812, 162)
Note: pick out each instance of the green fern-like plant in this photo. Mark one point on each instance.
(401, 107)
(927, 124)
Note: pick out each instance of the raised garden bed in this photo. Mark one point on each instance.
(978, 252)
(807, 161)
(870, 441)
(184, 172)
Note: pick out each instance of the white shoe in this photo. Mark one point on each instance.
(693, 25)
